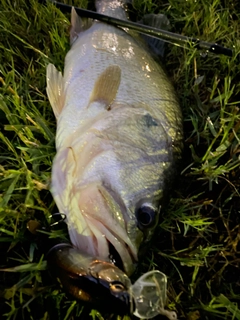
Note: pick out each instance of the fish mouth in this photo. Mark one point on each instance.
(109, 243)
(103, 228)
(119, 248)
(120, 253)
(123, 251)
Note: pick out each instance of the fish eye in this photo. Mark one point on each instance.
(117, 286)
(146, 216)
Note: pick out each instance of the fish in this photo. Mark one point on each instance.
(118, 139)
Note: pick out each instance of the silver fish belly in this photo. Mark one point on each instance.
(119, 135)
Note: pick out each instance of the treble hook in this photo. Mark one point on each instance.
(34, 225)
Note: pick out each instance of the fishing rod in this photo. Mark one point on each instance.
(168, 36)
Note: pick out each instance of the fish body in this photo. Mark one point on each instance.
(119, 136)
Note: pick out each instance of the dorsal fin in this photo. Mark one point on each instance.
(159, 21)
(78, 25)
(106, 86)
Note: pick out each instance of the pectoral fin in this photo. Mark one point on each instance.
(55, 89)
(106, 86)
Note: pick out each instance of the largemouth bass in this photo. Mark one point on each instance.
(119, 136)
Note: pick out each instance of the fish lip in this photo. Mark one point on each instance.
(114, 254)
(116, 258)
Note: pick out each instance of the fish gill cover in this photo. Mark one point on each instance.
(197, 241)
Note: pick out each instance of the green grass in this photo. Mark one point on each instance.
(197, 242)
